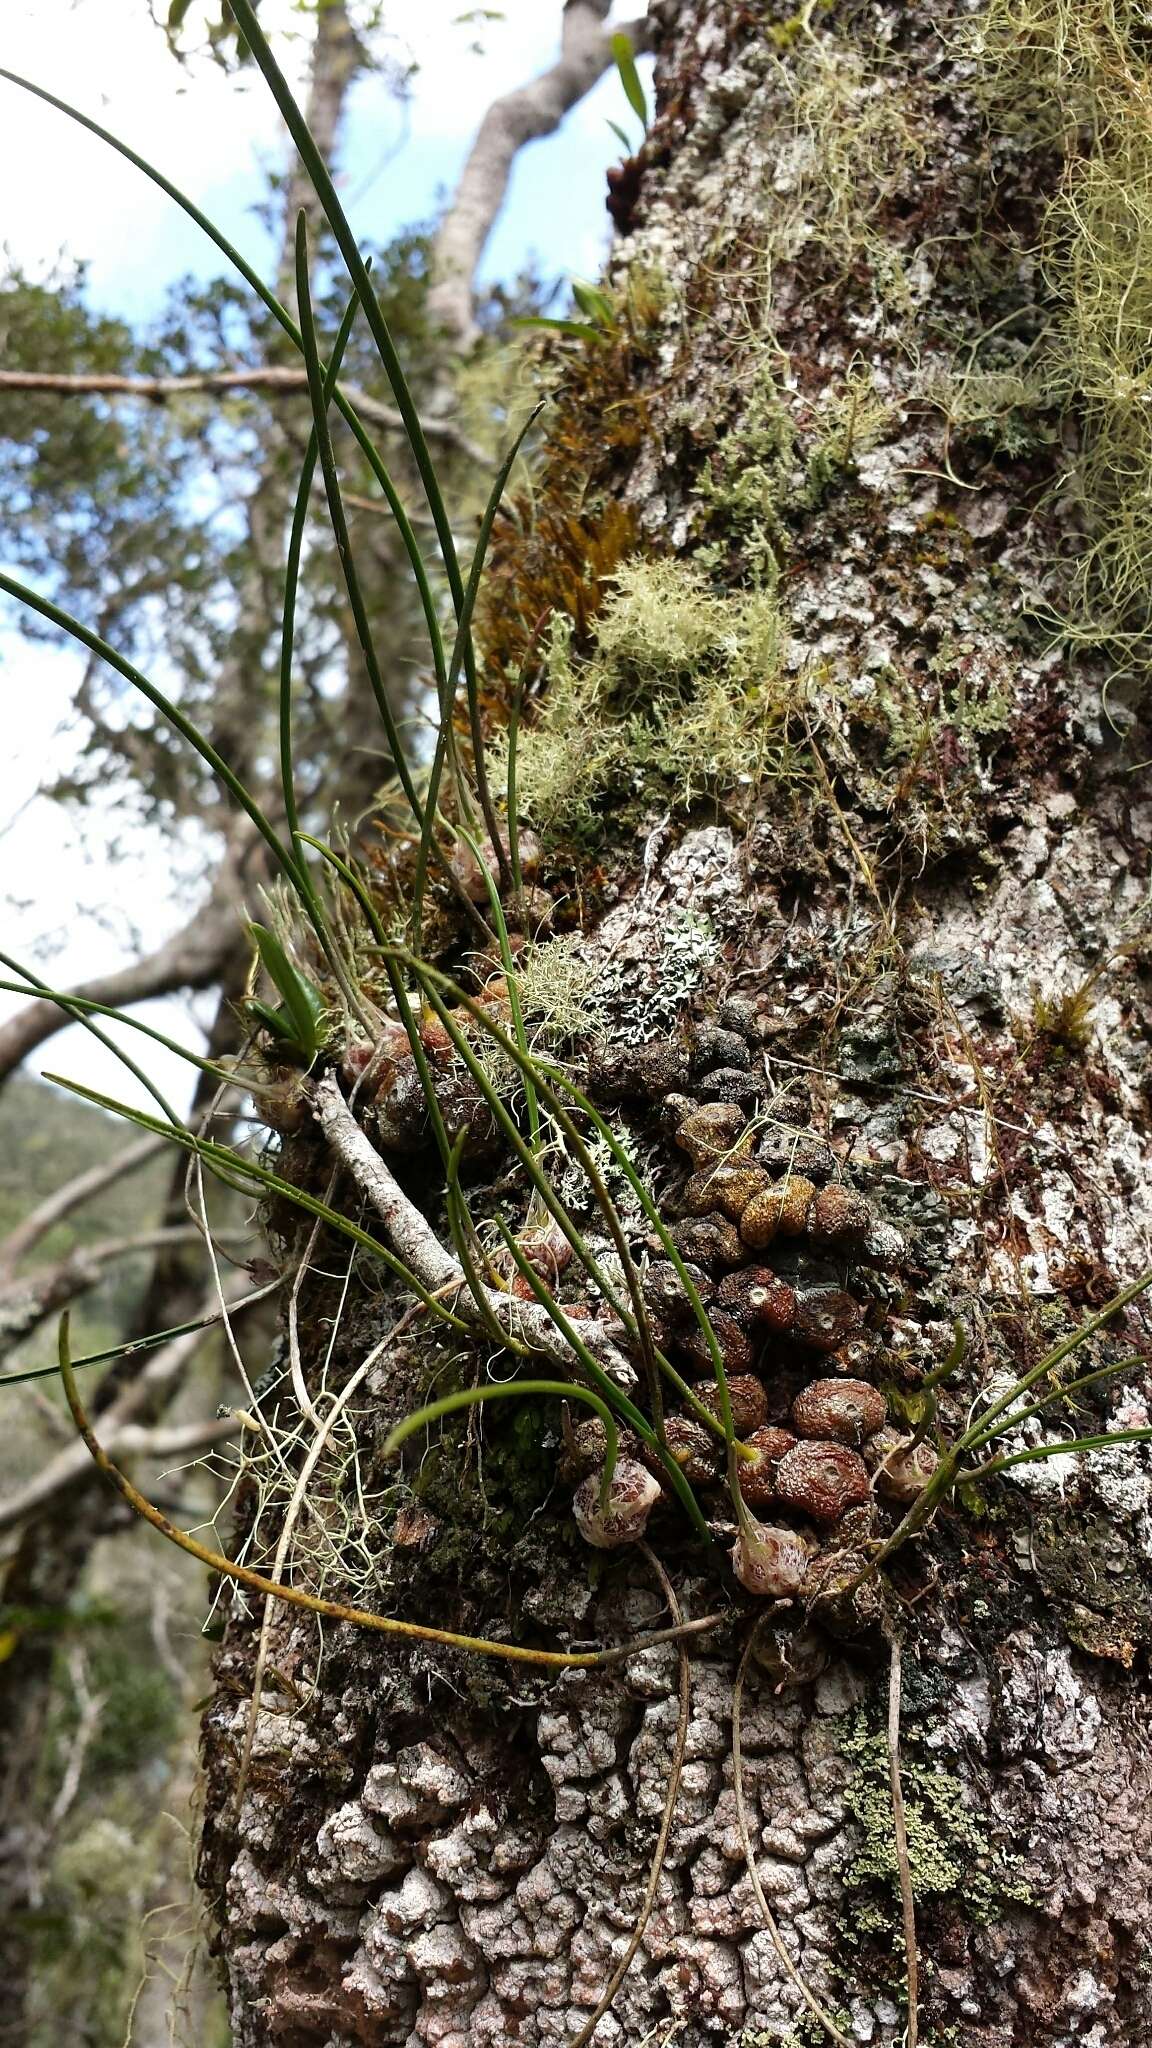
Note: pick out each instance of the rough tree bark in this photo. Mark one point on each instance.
(901, 930)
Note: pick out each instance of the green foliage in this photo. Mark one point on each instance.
(297, 1024)
(683, 693)
(1066, 1019)
(634, 93)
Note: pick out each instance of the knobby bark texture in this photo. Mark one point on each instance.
(895, 909)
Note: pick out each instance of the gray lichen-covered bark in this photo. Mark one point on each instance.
(926, 911)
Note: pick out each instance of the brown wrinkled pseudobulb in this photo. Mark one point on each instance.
(822, 1481)
(731, 1341)
(826, 1317)
(839, 1216)
(758, 1480)
(710, 1133)
(708, 1240)
(781, 1211)
(846, 1410)
(747, 1399)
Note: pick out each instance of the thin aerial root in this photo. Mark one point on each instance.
(903, 1864)
(818, 2011)
(624, 1965)
(359, 1617)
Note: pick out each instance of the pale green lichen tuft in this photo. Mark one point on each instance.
(683, 693)
(1071, 75)
(949, 1852)
(851, 148)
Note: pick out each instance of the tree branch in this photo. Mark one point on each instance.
(415, 1241)
(259, 377)
(26, 1303)
(194, 957)
(72, 1195)
(522, 116)
(130, 1439)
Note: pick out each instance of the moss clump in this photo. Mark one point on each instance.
(683, 692)
(782, 461)
(554, 552)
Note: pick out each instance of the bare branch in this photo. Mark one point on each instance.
(413, 1238)
(26, 1303)
(149, 1387)
(131, 1440)
(194, 957)
(72, 1195)
(259, 377)
(532, 110)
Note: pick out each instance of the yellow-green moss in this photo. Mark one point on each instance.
(783, 459)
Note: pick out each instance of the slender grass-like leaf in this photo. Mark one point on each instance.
(262, 1180)
(132, 1345)
(654, 1438)
(1056, 1450)
(445, 748)
(318, 392)
(512, 985)
(299, 1022)
(349, 248)
(1058, 1353)
(291, 590)
(464, 1238)
(441, 984)
(438, 985)
(76, 630)
(284, 319)
(476, 1397)
(82, 1012)
(295, 1596)
(634, 92)
(975, 1441)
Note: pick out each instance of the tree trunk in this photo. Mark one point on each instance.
(904, 877)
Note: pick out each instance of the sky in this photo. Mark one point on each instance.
(80, 893)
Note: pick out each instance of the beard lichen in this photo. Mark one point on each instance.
(1071, 78)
